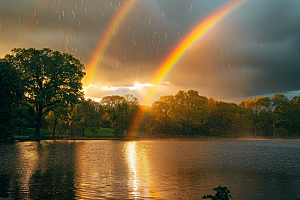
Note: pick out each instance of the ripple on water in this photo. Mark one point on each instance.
(251, 169)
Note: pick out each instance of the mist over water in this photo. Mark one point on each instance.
(153, 169)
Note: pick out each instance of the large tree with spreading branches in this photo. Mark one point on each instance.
(51, 79)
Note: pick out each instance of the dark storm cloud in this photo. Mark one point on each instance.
(254, 51)
(270, 39)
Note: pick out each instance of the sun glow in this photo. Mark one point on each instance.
(96, 92)
(139, 86)
(195, 35)
(111, 88)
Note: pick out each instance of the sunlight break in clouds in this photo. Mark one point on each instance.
(136, 86)
(121, 90)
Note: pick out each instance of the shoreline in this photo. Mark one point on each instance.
(64, 138)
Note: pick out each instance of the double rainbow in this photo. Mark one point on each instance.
(110, 33)
(188, 43)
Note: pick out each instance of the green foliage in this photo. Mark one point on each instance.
(277, 109)
(282, 132)
(93, 130)
(51, 79)
(31, 132)
(188, 114)
(222, 194)
(11, 92)
(189, 111)
(222, 117)
(185, 112)
(293, 116)
(160, 115)
(119, 112)
(268, 114)
(45, 86)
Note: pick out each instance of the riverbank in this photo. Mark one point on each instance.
(107, 134)
(36, 138)
(66, 137)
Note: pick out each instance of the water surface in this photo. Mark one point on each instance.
(154, 169)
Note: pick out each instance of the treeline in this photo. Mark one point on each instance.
(189, 114)
(43, 89)
(116, 112)
(184, 114)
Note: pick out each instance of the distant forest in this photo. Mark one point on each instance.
(43, 89)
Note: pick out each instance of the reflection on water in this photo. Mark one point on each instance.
(28, 157)
(140, 178)
(251, 169)
(94, 169)
(112, 169)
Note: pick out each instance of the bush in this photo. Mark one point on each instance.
(282, 132)
(222, 194)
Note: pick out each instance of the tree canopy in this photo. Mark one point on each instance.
(49, 78)
(11, 93)
(45, 86)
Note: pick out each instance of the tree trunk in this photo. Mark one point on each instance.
(38, 126)
(55, 122)
(39, 110)
(274, 129)
(183, 129)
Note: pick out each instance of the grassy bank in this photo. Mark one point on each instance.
(29, 134)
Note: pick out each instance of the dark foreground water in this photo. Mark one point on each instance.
(251, 169)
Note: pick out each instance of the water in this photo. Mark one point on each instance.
(154, 169)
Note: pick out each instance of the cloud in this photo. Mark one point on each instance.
(255, 51)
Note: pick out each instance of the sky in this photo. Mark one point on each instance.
(253, 50)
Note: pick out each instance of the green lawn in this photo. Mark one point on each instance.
(31, 131)
(103, 132)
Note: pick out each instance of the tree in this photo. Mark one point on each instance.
(87, 114)
(23, 115)
(120, 112)
(277, 109)
(256, 105)
(50, 77)
(11, 93)
(293, 115)
(160, 112)
(189, 110)
(222, 116)
(59, 114)
(115, 108)
(131, 109)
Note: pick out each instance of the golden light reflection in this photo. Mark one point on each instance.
(29, 160)
(139, 171)
(93, 169)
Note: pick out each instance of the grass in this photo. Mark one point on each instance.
(103, 132)
(29, 133)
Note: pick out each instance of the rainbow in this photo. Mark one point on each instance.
(198, 33)
(193, 37)
(110, 33)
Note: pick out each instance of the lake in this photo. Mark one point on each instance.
(150, 169)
